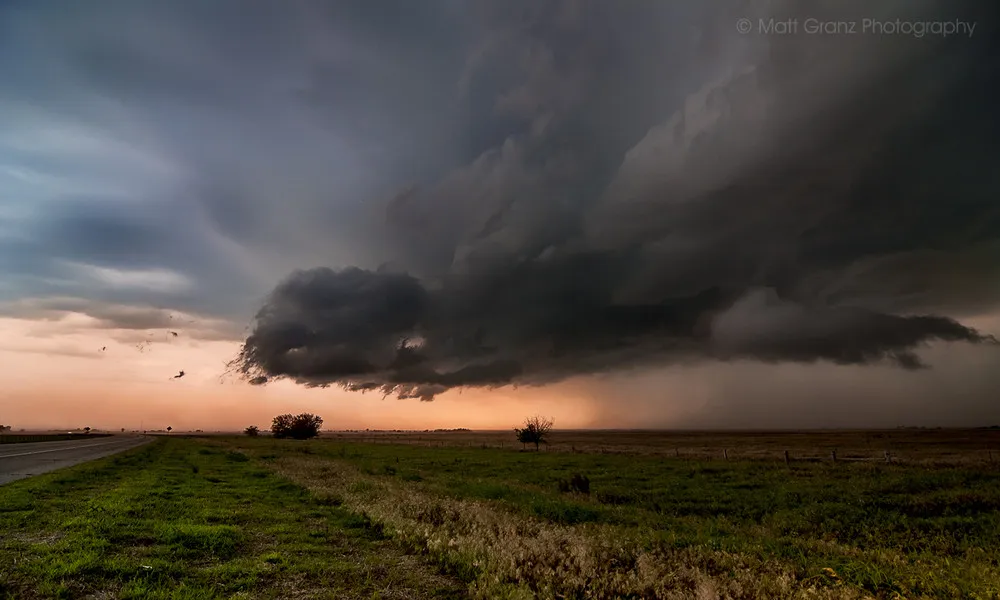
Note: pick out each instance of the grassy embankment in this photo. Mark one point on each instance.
(179, 519)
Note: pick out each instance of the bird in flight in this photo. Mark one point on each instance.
(179, 375)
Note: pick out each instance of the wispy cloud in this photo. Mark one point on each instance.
(154, 280)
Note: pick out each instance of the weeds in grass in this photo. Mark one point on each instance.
(577, 483)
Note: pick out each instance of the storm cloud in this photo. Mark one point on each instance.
(660, 189)
(421, 196)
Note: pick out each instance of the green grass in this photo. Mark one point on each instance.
(189, 518)
(885, 529)
(182, 519)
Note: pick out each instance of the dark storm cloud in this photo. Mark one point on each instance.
(762, 326)
(552, 188)
(649, 186)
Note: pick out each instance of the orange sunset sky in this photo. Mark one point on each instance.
(57, 377)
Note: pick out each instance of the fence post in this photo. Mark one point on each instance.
(888, 457)
(786, 457)
(833, 455)
(677, 452)
(725, 454)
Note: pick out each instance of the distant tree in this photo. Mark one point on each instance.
(299, 427)
(123, 430)
(169, 429)
(4, 428)
(535, 431)
(252, 431)
(86, 429)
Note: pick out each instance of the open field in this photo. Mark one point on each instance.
(942, 446)
(258, 517)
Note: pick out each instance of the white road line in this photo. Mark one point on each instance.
(2, 456)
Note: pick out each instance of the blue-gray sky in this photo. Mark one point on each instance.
(571, 187)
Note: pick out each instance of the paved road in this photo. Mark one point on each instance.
(18, 461)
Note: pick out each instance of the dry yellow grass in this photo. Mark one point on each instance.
(518, 557)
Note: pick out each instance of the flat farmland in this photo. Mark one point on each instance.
(455, 515)
(945, 446)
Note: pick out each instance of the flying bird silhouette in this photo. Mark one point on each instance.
(179, 375)
(173, 333)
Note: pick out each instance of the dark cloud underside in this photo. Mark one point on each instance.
(628, 210)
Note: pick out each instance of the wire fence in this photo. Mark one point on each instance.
(880, 451)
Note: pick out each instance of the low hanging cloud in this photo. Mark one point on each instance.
(649, 186)
(764, 327)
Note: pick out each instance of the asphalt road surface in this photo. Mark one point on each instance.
(18, 461)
